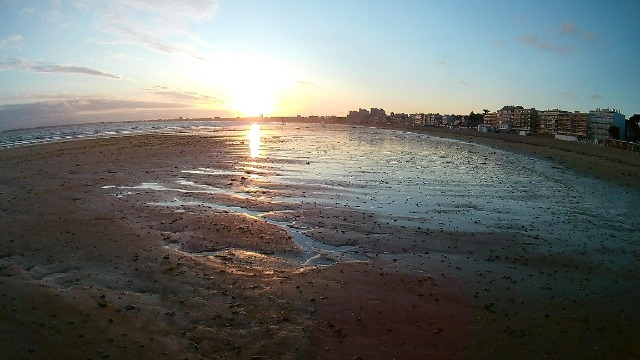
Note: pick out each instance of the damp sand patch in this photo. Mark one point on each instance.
(240, 237)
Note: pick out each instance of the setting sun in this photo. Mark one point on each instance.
(253, 102)
(251, 85)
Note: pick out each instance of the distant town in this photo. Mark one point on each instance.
(598, 126)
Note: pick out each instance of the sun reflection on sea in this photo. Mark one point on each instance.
(254, 140)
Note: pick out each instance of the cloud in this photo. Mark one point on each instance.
(157, 25)
(568, 95)
(543, 45)
(188, 9)
(25, 65)
(567, 32)
(570, 28)
(595, 97)
(71, 111)
(305, 82)
(134, 34)
(180, 95)
(464, 83)
(441, 62)
(11, 41)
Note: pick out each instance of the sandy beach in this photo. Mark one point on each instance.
(88, 271)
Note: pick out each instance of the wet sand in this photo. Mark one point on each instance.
(611, 164)
(87, 273)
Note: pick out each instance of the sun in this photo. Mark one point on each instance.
(252, 85)
(253, 102)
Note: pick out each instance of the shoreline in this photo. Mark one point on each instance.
(615, 165)
(90, 271)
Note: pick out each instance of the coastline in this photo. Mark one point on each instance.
(615, 165)
(91, 272)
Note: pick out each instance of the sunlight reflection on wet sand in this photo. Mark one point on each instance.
(254, 140)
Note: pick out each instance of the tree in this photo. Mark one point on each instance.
(475, 119)
(633, 128)
(614, 132)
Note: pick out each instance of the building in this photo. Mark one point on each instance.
(548, 120)
(600, 120)
(525, 119)
(505, 117)
(449, 120)
(573, 124)
(418, 119)
(490, 119)
(432, 119)
(378, 115)
(511, 118)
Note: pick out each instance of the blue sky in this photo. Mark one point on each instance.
(85, 60)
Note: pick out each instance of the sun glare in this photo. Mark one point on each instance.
(254, 140)
(251, 85)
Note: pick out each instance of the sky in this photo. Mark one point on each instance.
(91, 61)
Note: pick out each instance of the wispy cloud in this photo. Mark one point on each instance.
(305, 82)
(440, 62)
(135, 34)
(180, 95)
(66, 111)
(26, 65)
(188, 9)
(562, 41)
(570, 28)
(595, 97)
(568, 95)
(156, 24)
(543, 45)
(464, 83)
(11, 41)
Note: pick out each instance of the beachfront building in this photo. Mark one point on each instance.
(573, 124)
(378, 115)
(432, 119)
(505, 116)
(511, 118)
(490, 119)
(548, 120)
(358, 116)
(600, 120)
(400, 119)
(449, 120)
(418, 119)
(525, 119)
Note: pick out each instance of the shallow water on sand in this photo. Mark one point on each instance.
(435, 183)
(409, 179)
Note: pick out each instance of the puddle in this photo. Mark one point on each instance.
(314, 253)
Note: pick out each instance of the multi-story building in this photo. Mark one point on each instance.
(418, 119)
(432, 119)
(377, 115)
(505, 116)
(548, 120)
(449, 120)
(358, 116)
(512, 117)
(525, 119)
(490, 119)
(600, 120)
(573, 124)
